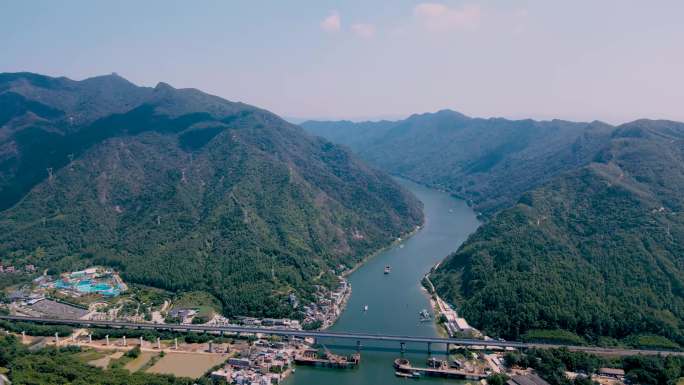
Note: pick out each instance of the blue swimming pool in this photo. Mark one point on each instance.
(87, 286)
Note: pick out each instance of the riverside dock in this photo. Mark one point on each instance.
(311, 357)
(403, 366)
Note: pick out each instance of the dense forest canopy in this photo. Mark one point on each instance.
(554, 364)
(597, 251)
(584, 241)
(185, 191)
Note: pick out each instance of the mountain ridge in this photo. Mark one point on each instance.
(186, 191)
(584, 231)
(596, 250)
(489, 162)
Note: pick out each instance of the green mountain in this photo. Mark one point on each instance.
(596, 251)
(184, 191)
(490, 162)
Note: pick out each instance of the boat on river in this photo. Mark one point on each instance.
(388, 269)
(365, 307)
(414, 375)
(435, 368)
(424, 316)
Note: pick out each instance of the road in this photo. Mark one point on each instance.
(336, 335)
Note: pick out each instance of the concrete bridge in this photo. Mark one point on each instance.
(352, 336)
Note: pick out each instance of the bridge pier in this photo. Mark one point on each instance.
(241, 331)
(358, 345)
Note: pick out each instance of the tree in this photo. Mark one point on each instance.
(497, 379)
(133, 353)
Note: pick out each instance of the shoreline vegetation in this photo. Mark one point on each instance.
(441, 320)
(559, 336)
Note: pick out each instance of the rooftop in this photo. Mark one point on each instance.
(531, 379)
(612, 371)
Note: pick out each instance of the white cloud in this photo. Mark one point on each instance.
(440, 17)
(363, 30)
(332, 23)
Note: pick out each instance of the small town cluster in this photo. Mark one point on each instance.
(15, 270)
(258, 358)
(328, 305)
(100, 294)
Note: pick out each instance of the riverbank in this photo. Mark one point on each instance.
(446, 318)
(395, 300)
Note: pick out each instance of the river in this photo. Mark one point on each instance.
(394, 300)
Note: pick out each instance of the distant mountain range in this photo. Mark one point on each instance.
(185, 191)
(584, 241)
(490, 162)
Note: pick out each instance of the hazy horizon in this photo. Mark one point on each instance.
(613, 61)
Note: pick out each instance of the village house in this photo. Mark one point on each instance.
(530, 379)
(612, 373)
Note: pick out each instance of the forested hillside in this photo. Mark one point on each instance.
(183, 190)
(597, 251)
(489, 161)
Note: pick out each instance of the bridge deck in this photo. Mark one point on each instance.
(270, 331)
(335, 335)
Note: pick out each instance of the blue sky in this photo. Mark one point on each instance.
(582, 60)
